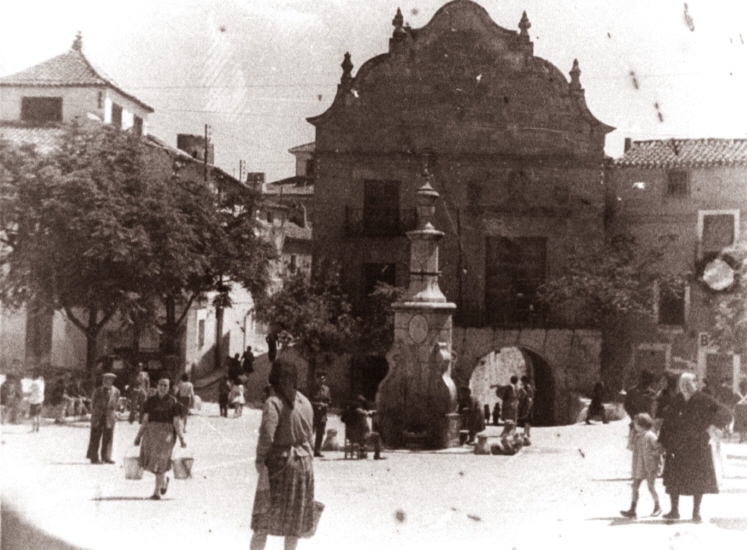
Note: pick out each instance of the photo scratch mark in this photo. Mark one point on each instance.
(689, 19)
(634, 78)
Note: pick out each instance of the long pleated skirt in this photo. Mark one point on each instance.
(284, 500)
(156, 447)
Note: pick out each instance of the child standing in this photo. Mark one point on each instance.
(646, 461)
(237, 399)
(36, 400)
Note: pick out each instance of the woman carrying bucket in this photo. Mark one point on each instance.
(160, 425)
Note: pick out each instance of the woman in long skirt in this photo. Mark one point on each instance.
(161, 425)
(284, 500)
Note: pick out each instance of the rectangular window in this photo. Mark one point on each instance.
(381, 208)
(137, 126)
(515, 268)
(718, 231)
(310, 168)
(678, 184)
(41, 109)
(200, 333)
(671, 306)
(116, 115)
(292, 266)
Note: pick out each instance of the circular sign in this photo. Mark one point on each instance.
(718, 275)
(418, 329)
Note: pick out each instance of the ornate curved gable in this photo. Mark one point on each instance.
(461, 83)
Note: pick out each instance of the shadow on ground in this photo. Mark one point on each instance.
(18, 534)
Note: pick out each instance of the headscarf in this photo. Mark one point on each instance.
(284, 379)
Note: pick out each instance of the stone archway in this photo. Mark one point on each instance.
(496, 369)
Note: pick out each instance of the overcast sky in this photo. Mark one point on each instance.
(255, 69)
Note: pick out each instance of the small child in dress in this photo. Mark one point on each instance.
(646, 462)
(237, 399)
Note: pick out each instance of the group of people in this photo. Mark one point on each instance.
(232, 389)
(673, 425)
(66, 396)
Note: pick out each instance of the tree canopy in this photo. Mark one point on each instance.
(105, 224)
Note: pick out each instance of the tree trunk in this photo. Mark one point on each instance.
(217, 358)
(92, 333)
(170, 330)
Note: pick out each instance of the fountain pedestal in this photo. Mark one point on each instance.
(417, 400)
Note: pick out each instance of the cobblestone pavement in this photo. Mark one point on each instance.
(565, 491)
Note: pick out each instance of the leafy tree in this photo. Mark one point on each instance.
(612, 282)
(377, 325)
(104, 225)
(316, 314)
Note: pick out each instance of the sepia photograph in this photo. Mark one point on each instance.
(344, 274)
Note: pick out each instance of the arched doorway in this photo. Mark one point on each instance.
(544, 385)
(496, 369)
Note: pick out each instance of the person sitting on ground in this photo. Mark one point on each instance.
(357, 430)
(473, 419)
(596, 407)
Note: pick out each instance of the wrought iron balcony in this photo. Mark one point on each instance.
(379, 222)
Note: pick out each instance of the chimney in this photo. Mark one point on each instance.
(255, 180)
(194, 146)
(628, 144)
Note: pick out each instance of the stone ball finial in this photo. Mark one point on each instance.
(575, 76)
(524, 25)
(78, 42)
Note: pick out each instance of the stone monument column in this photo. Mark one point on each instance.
(417, 400)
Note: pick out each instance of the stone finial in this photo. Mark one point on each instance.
(575, 75)
(524, 25)
(78, 42)
(347, 69)
(425, 198)
(398, 20)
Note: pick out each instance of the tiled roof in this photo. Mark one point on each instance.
(71, 69)
(305, 148)
(673, 153)
(296, 185)
(46, 138)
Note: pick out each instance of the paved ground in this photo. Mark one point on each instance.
(565, 491)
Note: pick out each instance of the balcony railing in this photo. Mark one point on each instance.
(379, 222)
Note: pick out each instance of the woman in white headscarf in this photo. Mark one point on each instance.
(689, 468)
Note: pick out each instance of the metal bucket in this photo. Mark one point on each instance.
(183, 467)
(132, 467)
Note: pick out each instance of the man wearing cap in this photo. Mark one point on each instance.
(104, 405)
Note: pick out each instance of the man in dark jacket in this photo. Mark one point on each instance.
(357, 430)
(321, 397)
(104, 404)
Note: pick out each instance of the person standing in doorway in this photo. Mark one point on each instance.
(103, 419)
(321, 397)
(526, 404)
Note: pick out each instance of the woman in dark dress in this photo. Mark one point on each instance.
(688, 466)
(159, 428)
